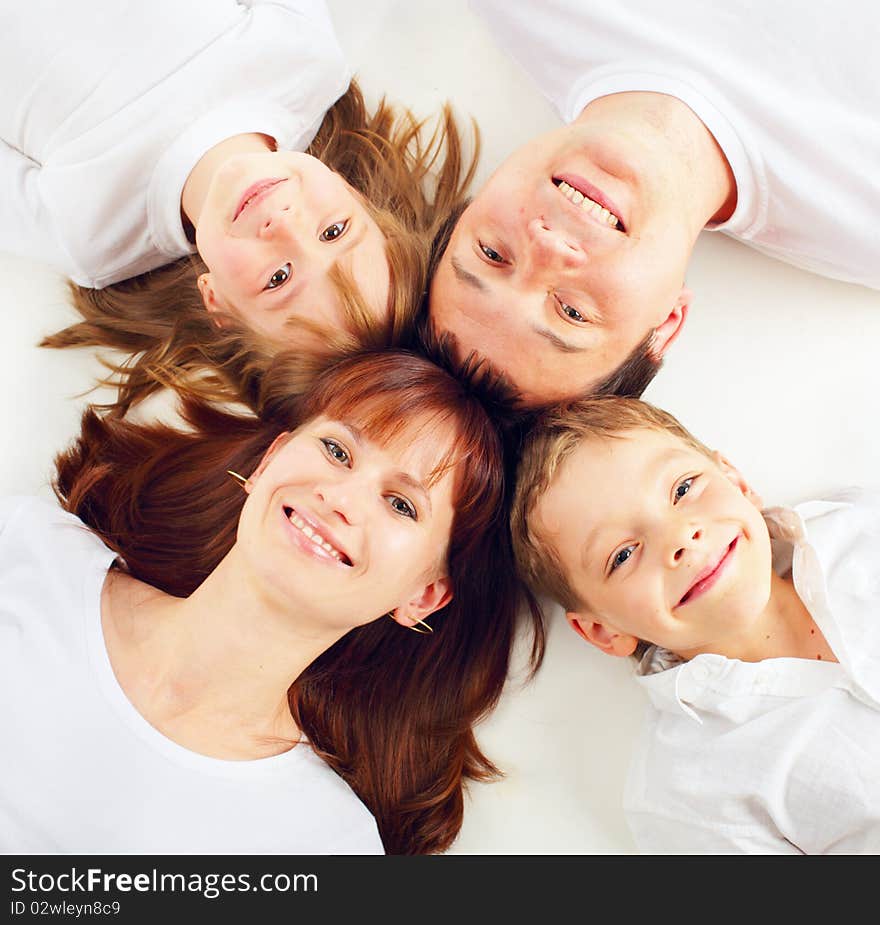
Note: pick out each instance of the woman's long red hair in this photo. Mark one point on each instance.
(391, 710)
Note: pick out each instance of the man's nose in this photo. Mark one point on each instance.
(550, 247)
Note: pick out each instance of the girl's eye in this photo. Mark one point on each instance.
(570, 311)
(336, 451)
(280, 277)
(334, 231)
(491, 254)
(621, 556)
(683, 487)
(402, 506)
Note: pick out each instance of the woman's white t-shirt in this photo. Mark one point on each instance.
(84, 773)
(107, 107)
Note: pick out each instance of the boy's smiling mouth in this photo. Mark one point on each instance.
(710, 575)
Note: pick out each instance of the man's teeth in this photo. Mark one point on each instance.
(313, 535)
(579, 199)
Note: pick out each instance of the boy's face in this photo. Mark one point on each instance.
(663, 543)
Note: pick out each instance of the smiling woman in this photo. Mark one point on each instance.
(242, 638)
(216, 188)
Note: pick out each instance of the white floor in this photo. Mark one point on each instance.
(775, 368)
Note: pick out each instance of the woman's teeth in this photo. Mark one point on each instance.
(314, 536)
(579, 199)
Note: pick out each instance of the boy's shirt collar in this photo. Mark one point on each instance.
(820, 543)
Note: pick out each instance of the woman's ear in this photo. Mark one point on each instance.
(274, 447)
(736, 477)
(430, 599)
(601, 635)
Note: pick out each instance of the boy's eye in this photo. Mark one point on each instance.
(491, 254)
(683, 487)
(336, 451)
(621, 556)
(334, 231)
(279, 277)
(403, 507)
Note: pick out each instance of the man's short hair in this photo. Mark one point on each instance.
(555, 436)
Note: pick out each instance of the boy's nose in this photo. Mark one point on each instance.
(691, 537)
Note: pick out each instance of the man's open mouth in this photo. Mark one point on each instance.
(587, 197)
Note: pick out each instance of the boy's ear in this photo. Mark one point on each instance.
(276, 445)
(736, 477)
(601, 635)
(666, 332)
(432, 597)
(212, 302)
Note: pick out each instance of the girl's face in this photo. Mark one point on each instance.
(346, 530)
(273, 227)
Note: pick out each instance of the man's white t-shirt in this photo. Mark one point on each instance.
(780, 756)
(84, 773)
(790, 90)
(107, 106)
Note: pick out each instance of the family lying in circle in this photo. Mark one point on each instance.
(274, 629)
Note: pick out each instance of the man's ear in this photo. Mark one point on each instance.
(736, 477)
(212, 302)
(274, 447)
(425, 602)
(666, 332)
(601, 635)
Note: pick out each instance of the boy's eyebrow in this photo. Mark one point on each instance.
(467, 277)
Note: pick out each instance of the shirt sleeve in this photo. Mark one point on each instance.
(25, 227)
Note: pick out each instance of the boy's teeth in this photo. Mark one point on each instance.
(315, 537)
(578, 198)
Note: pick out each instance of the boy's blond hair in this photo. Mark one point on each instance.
(553, 439)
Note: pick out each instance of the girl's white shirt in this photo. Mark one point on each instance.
(108, 106)
(85, 773)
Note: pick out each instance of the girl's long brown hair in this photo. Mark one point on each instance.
(410, 177)
(391, 710)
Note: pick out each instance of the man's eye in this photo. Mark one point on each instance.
(403, 507)
(683, 487)
(621, 556)
(334, 231)
(491, 254)
(336, 451)
(280, 276)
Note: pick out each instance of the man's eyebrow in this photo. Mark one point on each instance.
(561, 345)
(467, 277)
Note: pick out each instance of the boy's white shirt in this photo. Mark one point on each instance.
(782, 755)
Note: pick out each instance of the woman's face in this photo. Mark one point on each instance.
(273, 227)
(346, 530)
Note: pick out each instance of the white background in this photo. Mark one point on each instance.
(776, 367)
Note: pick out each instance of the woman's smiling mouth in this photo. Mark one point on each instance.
(312, 540)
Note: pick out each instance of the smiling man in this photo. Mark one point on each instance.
(567, 270)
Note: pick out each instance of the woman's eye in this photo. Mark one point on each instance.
(336, 451)
(280, 277)
(683, 487)
(621, 556)
(570, 311)
(334, 231)
(402, 506)
(491, 254)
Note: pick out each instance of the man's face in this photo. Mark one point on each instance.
(661, 542)
(565, 260)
